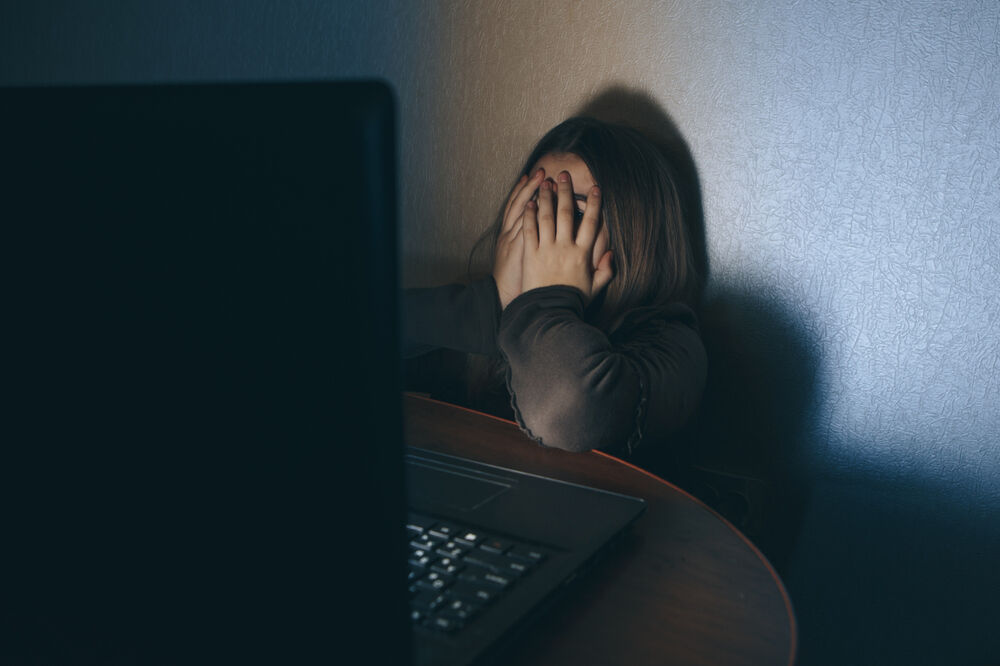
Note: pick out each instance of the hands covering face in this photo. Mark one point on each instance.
(540, 244)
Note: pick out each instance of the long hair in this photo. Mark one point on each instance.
(641, 207)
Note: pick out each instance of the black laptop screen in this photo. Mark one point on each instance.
(201, 408)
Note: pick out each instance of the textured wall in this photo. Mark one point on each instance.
(849, 160)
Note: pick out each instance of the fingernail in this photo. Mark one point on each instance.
(596, 191)
(546, 185)
(564, 177)
(539, 173)
(530, 204)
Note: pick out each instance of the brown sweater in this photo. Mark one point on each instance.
(571, 385)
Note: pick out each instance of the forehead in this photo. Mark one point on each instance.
(553, 163)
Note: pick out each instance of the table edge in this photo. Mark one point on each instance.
(789, 607)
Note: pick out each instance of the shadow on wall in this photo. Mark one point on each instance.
(758, 402)
(739, 455)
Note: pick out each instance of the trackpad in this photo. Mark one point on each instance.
(455, 488)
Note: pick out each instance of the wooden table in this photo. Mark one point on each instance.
(685, 588)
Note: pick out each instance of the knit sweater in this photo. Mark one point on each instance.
(571, 385)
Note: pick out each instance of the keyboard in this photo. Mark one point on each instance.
(455, 571)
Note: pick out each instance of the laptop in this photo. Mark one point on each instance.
(504, 542)
(203, 457)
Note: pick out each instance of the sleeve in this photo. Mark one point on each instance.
(462, 317)
(573, 388)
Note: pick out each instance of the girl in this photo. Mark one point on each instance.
(585, 320)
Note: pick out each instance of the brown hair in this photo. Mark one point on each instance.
(641, 207)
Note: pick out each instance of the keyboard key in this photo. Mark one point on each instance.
(484, 577)
(494, 545)
(526, 554)
(517, 567)
(460, 609)
(472, 572)
(422, 542)
(434, 581)
(497, 579)
(455, 618)
(444, 623)
(495, 563)
(431, 585)
(427, 600)
(469, 591)
(450, 550)
(423, 560)
(470, 538)
(444, 531)
(447, 565)
(418, 524)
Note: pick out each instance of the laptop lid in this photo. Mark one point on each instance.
(201, 419)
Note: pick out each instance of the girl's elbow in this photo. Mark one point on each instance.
(569, 442)
(573, 442)
(574, 426)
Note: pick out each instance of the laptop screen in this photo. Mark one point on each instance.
(202, 448)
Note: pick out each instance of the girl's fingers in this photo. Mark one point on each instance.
(566, 207)
(600, 245)
(546, 220)
(518, 186)
(602, 274)
(508, 238)
(529, 226)
(588, 226)
(522, 193)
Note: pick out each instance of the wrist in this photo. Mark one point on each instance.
(505, 296)
(555, 282)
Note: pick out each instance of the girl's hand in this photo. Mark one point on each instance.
(555, 252)
(507, 267)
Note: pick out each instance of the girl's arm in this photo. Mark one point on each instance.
(574, 388)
